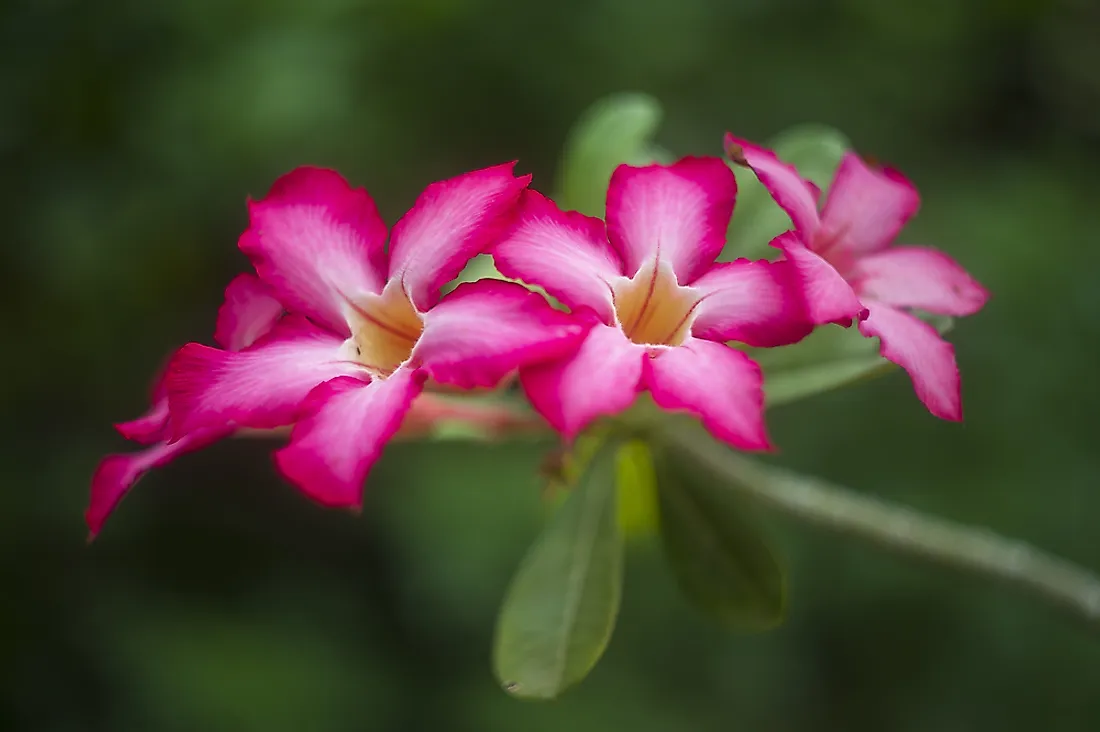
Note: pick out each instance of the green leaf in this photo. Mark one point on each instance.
(636, 482)
(481, 267)
(613, 131)
(561, 607)
(721, 562)
(828, 358)
(816, 151)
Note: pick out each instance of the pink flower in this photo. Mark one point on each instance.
(849, 268)
(663, 309)
(249, 312)
(366, 325)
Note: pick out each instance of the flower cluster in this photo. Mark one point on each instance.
(345, 340)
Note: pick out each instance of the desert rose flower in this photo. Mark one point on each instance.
(850, 267)
(663, 309)
(366, 323)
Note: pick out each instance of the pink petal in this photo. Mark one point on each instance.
(117, 474)
(759, 303)
(249, 311)
(332, 450)
(795, 195)
(677, 214)
(720, 385)
(865, 209)
(567, 254)
(602, 378)
(450, 223)
(484, 330)
(919, 277)
(153, 425)
(918, 348)
(318, 243)
(828, 296)
(262, 386)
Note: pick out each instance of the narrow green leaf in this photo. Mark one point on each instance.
(828, 358)
(560, 609)
(721, 562)
(816, 151)
(614, 130)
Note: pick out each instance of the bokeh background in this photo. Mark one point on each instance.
(218, 599)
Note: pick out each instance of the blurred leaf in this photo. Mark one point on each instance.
(828, 358)
(816, 151)
(480, 267)
(560, 609)
(637, 488)
(483, 267)
(720, 561)
(613, 131)
(654, 154)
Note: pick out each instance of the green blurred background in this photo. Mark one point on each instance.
(218, 599)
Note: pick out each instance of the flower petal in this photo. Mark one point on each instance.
(117, 474)
(451, 222)
(916, 346)
(484, 330)
(249, 311)
(317, 242)
(602, 378)
(261, 386)
(720, 385)
(153, 425)
(566, 254)
(828, 296)
(332, 450)
(759, 303)
(677, 213)
(865, 209)
(919, 277)
(794, 194)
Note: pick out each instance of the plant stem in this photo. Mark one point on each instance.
(900, 529)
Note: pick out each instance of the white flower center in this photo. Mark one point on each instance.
(385, 329)
(652, 309)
